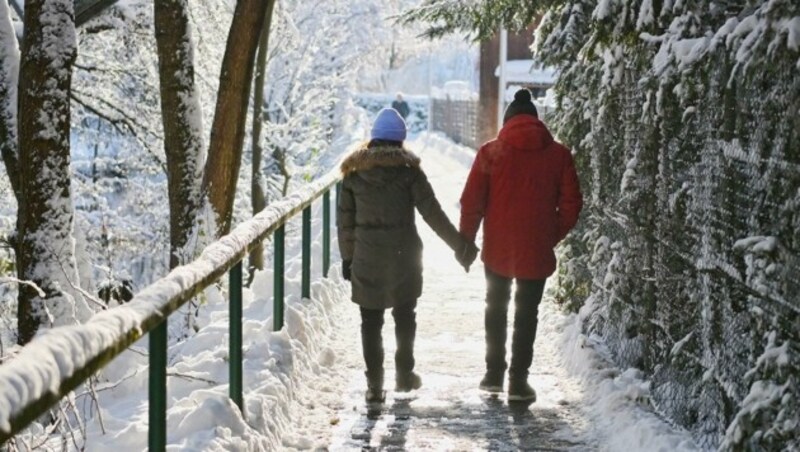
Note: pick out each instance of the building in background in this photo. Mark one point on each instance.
(528, 74)
(520, 71)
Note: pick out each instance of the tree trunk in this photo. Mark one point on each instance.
(258, 197)
(45, 245)
(227, 132)
(9, 71)
(181, 116)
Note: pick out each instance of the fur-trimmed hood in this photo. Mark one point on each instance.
(366, 158)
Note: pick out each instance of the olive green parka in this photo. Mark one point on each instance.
(375, 220)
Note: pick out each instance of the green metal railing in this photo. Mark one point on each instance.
(153, 305)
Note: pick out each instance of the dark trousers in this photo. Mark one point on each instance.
(526, 303)
(405, 320)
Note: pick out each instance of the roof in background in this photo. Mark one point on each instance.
(527, 72)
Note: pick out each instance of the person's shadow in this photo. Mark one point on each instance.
(520, 410)
(396, 430)
(397, 419)
(395, 439)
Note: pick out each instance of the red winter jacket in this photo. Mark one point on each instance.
(524, 187)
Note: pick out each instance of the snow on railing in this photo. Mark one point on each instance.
(60, 359)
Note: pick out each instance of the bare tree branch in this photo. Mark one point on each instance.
(123, 125)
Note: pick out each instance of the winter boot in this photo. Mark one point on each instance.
(492, 382)
(407, 381)
(405, 328)
(375, 392)
(374, 395)
(520, 391)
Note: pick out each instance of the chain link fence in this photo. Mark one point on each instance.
(457, 118)
(691, 237)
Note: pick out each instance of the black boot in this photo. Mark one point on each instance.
(492, 381)
(407, 381)
(372, 345)
(519, 390)
(375, 392)
(405, 320)
(498, 292)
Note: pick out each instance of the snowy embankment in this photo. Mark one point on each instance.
(616, 401)
(200, 415)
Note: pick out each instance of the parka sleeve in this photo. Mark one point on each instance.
(570, 199)
(346, 221)
(475, 196)
(428, 206)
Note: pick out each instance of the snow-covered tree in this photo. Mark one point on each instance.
(9, 74)
(314, 63)
(181, 116)
(44, 241)
(229, 125)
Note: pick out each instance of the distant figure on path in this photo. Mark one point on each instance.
(401, 106)
(524, 188)
(380, 247)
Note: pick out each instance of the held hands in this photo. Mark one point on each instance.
(466, 253)
(346, 269)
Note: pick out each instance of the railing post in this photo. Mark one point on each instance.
(157, 388)
(305, 282)
(277, 301)
(235, 333)
(326, 233)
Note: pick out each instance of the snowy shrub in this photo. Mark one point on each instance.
(689, 245)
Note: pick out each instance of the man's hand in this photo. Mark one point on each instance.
(346, 269)
(466, 254)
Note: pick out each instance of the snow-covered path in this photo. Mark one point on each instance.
(448, 412)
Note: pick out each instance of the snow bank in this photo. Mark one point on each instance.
(200, 415)
(617, 401)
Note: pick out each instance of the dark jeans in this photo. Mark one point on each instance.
(405, 320)
(526, 303)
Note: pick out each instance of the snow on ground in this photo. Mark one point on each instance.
(615, 402)
(303, 386)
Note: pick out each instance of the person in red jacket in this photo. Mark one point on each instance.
(524, 188)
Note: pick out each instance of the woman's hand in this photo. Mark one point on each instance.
(466, 254)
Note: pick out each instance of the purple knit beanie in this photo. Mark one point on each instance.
(389, 126)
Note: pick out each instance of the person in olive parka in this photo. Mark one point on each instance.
(380, 247)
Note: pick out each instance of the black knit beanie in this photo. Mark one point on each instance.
(521, 105)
